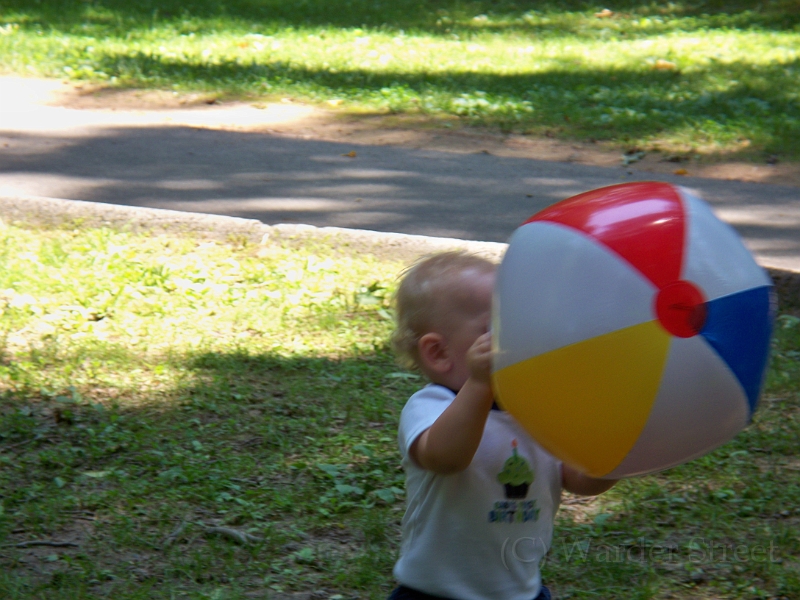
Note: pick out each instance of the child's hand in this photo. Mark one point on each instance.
(449, 445)
(479, 359)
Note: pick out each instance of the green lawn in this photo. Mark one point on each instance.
(161, 396)
(721, 78)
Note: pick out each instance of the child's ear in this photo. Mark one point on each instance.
(433, 353)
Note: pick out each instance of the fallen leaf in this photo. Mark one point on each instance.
(351, 154)
(664, 65)
(604, 14)
(681, 172)
(97, 474)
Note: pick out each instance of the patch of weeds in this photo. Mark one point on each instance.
(228, 429)
(149, 424)
(784, 375)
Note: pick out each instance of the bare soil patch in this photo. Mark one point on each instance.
(443, 134)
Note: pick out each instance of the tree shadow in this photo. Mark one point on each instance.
(732, 103)
(433, 16)
(299, 395)
(277, 179)
(298, 451)
(576, 102)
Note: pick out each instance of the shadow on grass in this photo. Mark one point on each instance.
(315, 393)
(572, 102)
(301, 453)
(298, 452)
(117, 17)
(605, 104)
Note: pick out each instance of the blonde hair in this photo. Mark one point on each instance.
(421, 300)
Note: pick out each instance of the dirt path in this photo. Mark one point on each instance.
(310, 122)
(193, 154)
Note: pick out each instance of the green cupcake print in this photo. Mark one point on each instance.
(516, 475)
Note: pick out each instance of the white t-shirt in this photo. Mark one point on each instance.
(478, 534)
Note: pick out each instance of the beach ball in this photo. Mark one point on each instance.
(631, 329)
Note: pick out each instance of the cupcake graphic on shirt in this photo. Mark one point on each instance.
(516, 475)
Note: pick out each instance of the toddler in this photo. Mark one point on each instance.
(481, 494)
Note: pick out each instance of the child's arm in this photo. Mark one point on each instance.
(449, 445)
(578, 483)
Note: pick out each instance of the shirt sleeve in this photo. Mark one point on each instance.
(420, 412)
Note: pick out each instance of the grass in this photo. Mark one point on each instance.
(162, 398)
(702, 76)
